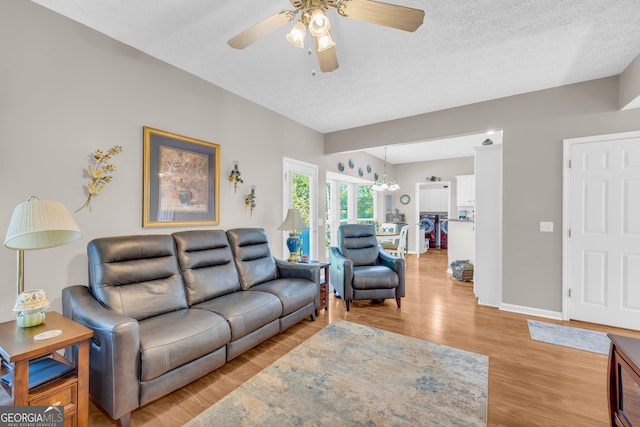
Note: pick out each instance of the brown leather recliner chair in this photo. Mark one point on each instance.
(361, 269)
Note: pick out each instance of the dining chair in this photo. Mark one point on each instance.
(387, 228)
(398, 249)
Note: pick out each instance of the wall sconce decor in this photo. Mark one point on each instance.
(98, 172)
(250, 200)
(234, 176)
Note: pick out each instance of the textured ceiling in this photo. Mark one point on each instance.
(466, 51)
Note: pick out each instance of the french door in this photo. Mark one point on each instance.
(300, 191)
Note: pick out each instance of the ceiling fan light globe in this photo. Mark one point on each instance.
(297, 35)
(318, 23)
(325, 42)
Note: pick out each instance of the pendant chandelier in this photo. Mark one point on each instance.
(385, 185)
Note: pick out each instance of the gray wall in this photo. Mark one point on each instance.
(629, 95)
(66, 90)
(534, 126)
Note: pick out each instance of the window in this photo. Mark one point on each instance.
(344, 203)
(365, 204)
(355, 203)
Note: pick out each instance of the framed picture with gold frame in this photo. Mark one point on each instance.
(181, 180)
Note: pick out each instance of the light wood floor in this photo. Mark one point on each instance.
(530, 383)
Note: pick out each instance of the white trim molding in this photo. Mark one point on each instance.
(531, 311)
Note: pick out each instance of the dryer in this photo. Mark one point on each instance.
(444, 232)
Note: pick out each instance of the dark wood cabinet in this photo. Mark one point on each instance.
(624, 381)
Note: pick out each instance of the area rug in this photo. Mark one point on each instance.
(582, 339)
(353, 375)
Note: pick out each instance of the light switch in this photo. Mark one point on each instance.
(546, 226)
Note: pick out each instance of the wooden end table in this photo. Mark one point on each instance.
(18, 347)
(324, 283)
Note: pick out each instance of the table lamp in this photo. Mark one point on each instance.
(292, 223)
(38, 224)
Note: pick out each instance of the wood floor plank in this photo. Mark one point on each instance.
(530, 383)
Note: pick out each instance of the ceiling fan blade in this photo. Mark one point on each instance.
(389, 15)
(327, 59)
(261, 29)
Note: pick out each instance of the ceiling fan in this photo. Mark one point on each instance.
(314, 19)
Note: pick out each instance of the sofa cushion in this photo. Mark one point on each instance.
(252, 255)
(136, 276)
(246, 311)
(173, 339)
(358, 242)
(292, 293)
(374, 277)
(207, 264)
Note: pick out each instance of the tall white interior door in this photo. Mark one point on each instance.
(301, 191)
(603, 242)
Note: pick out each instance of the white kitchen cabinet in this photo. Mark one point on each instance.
(434, 200)
(466, 190)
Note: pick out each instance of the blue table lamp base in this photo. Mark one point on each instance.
(293, 244)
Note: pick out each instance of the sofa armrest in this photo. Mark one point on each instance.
(114, 352)
(301, 271)
(341, 275)
(396, 264)
(388, 260)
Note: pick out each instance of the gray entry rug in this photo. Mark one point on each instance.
(568, 336)
(353, 375)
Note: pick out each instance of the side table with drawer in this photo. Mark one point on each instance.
(18, 348)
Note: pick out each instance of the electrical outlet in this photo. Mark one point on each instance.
(546, 226)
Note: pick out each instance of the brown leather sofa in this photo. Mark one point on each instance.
(168, 309)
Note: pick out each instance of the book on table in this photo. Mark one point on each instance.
(41, 371)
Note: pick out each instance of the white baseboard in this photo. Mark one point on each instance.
(531, 311)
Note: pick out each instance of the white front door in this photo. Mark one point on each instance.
(603, 272)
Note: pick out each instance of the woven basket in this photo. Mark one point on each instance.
(462, 270)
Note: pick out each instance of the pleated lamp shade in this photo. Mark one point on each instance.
(40, 224)
(293, 221)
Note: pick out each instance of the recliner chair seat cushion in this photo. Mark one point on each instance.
(374, 277)
(293, 293)
(246, 311)
(173, 339)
